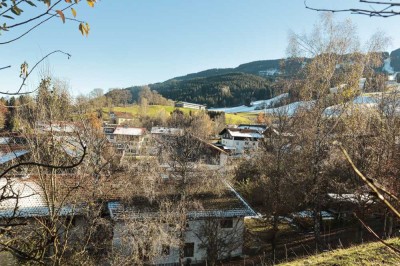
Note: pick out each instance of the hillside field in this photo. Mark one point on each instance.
(154, 110)
(367, 254)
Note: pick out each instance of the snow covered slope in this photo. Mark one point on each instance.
(254, 105)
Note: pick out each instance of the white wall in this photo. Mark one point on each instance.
(241, 145)
(194, 227)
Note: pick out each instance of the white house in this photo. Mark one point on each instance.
(127, 140)
(241, 139)
(225, 213)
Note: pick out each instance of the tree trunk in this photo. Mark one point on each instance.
(317, 229)
(274, 240)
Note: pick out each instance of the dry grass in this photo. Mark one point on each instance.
(368, 254)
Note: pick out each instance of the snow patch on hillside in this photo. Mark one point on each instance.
(237, 109)
(271, 101)
(387, 67)
(289, 109)
(254, 105)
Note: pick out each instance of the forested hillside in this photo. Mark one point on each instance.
(264, 68)
(226, 87)
(223, 90)
(395, 60)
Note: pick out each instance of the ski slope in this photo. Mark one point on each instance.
(254, 105)
(387, 67)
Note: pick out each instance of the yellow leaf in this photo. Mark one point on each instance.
(87, 29)
(61, 14)
(76, 1)
(81, 28)
(73, 12)
(91, 3)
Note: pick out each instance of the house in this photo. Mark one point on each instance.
(241, 139)
(121, 118)
(225, 212)
(127, 140)
(190, 105)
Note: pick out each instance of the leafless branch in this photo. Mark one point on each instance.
(1, 68)
(37, 25)
(369, 229)
(386, 9)
(28, 74)
(48, 165)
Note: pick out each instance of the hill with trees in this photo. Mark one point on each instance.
(224, 87)
(214, 91)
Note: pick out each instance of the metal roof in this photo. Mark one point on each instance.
(26, 200)
(130, 131)
(245, 133)
(4, 158)
(233, 205)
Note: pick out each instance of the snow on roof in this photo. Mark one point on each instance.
(4, 158)
(130, 131)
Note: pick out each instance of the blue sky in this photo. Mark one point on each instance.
(135, 42)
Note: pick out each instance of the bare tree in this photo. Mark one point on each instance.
(330, 78)
(369, 8)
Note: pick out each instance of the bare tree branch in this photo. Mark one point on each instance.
(368, 182)
(1, 68)
(369, 229)
(28, 74)
(47, 165)
(386, 9)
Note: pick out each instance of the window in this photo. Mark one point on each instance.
(111, 136)
(226, 223)
(188, 250)
(165, 250)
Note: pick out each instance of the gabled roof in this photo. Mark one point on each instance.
(129, 131)
(243, 133)
(228, 204)
(29, 201)
(260, 128)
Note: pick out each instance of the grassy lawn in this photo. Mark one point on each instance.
(367, 254)
(154, 110)
(259, 226)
